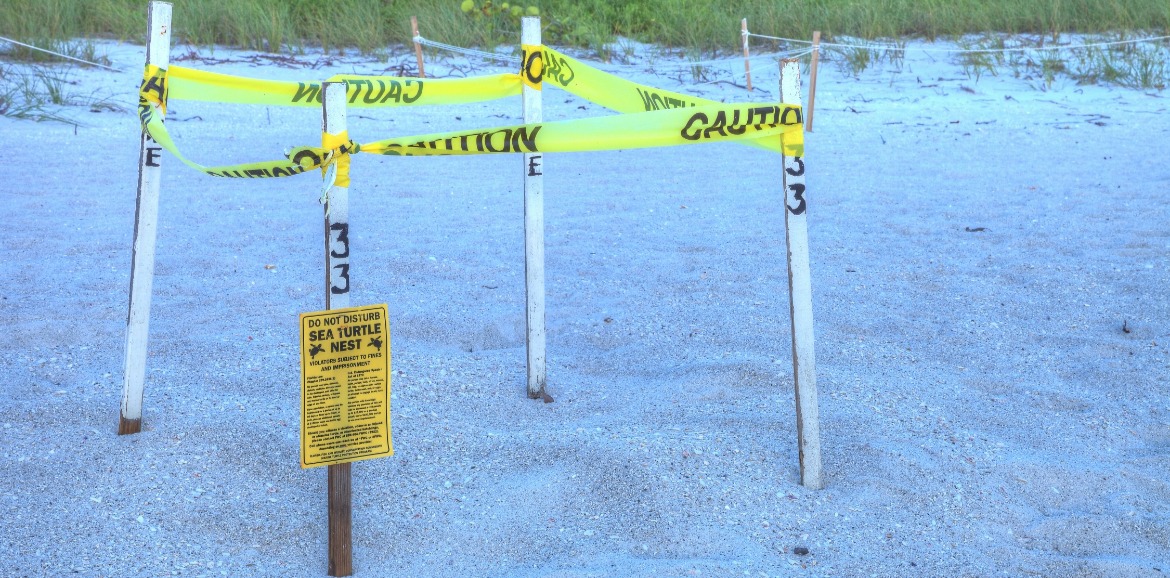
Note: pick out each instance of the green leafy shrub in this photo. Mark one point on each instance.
(500, 23)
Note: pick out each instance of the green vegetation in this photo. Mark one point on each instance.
(701, 25)
(1129, 65)
(39, 93)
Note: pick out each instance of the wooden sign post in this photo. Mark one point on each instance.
(337, 286)
(800, 297)
(158, 53)
(532, 73)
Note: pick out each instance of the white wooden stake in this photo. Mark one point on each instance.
(747, 63)
(158, 53)
(337, 290)
(533, 71)
(336, 207)
(800, 297)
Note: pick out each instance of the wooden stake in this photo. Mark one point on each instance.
(747, 64)
(800, 297)
(337, 286)
(417, 46)
(533, 71)
(812, 79)
(158, 53)
(340, 520)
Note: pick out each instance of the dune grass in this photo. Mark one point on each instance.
(704, 25)
(41, 93)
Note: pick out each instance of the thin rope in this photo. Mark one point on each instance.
(798, 41)
(9, 40)
(743, 74)
(803, 53)
(690, 64)
(658, 68)
(731, 60)
(893, 47)
(467, 51)
(662, 65)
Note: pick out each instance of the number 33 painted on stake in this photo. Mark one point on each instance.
(797, 188)
(342, 238)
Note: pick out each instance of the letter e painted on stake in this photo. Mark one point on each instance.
(152, 155)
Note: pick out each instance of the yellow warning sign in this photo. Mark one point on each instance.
(345, 386)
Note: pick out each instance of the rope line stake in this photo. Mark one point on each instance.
(812, 79)
(417, 47)
(747, 61)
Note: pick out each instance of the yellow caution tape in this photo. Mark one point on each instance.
(151, 111)
(605, 89)
(663, 118)
(153, 89)
(363, 92)
(619, 94)
(531, 65)
(336, 141)
(706, 123)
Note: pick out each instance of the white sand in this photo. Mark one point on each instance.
(976, 250)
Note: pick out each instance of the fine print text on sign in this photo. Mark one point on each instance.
(345, 386)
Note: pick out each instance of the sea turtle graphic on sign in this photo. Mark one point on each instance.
(315, 349)
(376, 342)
